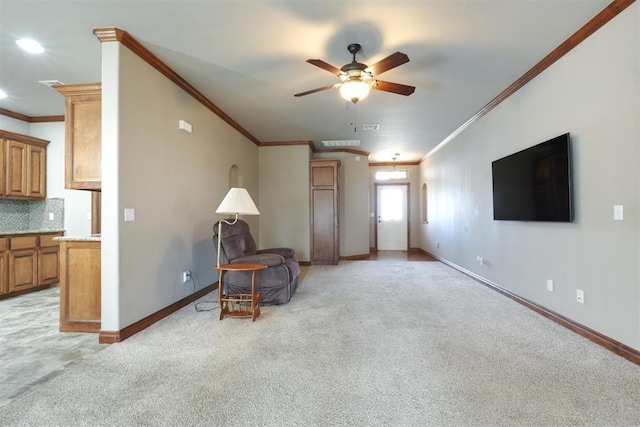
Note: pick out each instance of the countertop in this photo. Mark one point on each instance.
(86, 238)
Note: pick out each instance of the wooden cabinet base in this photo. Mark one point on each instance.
(80, 293)
(28, 262)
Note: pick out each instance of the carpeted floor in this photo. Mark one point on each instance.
(364, 343)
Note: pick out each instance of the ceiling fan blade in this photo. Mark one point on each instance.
(319, 89)
(394, 88)
(327, 67)
(391, 61)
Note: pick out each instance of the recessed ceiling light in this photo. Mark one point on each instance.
(30, 45)
(3, 94)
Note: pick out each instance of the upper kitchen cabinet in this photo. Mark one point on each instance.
(83, 124)
(23, 166)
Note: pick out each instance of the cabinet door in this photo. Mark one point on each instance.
(36, 172)
(48, 265)
(80, 286)
(325, 226)
(23, 270)
(3, 170)
(16, 164)
(4, 279)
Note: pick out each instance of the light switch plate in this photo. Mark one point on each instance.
(618, 213)
(129, 214)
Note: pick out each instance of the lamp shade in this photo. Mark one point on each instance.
(237, 202)
(354, 90)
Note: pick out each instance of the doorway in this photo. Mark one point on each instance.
(392, 225)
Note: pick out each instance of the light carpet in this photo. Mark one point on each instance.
(365, 343)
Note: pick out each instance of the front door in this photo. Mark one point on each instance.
(392, 219)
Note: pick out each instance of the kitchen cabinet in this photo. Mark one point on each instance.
(16, 169)
(3, 168)
(23, 263)
(83, 135)
(80, 285)
(4, 256)
(23, 165)
(325, 227)
(48, 260)
(28, 262)
(36, 172)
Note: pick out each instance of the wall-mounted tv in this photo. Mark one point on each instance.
(534, 184)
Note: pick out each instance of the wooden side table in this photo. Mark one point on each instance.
(239, 305)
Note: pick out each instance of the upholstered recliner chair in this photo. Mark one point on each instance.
(276, 284)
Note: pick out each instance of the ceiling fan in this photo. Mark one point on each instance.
(357, 79)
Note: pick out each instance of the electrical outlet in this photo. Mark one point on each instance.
(580, 296)
(550, 285)
(186, 276)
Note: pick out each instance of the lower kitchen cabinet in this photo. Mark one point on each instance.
(80, 285)
(4, 255)
(48, 260)
(28, 262)
(23, 270)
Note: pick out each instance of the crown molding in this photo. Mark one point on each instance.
(29, 119)
(604, 16)
(113, 34)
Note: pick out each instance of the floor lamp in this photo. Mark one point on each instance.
(236, 202)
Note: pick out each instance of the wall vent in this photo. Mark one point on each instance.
(342, 143)
(50, 83)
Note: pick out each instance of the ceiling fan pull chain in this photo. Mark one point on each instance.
(354, 122)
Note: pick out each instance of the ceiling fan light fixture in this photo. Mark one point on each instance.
(354, 90)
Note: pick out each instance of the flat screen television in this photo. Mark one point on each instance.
(534, 184)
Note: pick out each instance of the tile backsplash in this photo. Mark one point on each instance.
(31, 215)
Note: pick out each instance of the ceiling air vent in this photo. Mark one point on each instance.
(50, 83)
(342, 143)
(370, 126)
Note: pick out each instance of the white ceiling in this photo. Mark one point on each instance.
(248, 58)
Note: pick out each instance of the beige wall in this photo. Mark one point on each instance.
(174, 181)
(284, 198)
(593, 92)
